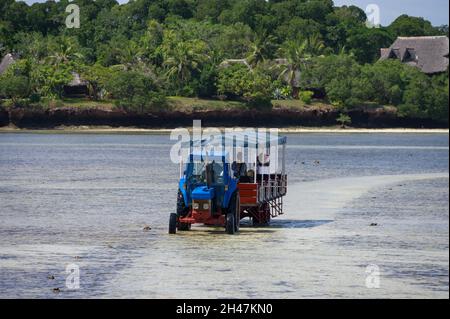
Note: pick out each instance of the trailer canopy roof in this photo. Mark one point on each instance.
(241, 138)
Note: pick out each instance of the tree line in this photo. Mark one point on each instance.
(143, 51)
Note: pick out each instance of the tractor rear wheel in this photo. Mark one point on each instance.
(238, 212)
(230, 224)
(173, 223)
(234, 209)
(181, 207)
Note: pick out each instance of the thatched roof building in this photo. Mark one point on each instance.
(429, 54)
(77, 87)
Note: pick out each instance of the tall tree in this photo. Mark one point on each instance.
(64, 50)
(406, 26)
(297, 55)
(183, 59)
(262, 48)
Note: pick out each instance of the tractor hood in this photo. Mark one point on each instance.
(203, 193)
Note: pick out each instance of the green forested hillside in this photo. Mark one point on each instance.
(139, 53)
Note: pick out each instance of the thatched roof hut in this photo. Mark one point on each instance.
(429, 54)
(77, 87)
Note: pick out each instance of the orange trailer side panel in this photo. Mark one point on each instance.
(248, 193)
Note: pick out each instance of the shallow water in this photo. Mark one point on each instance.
(85, 199)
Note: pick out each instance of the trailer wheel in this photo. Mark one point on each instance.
(261, 222)
(184, 226)
(173, 223)
(262, 216)
(230, 224)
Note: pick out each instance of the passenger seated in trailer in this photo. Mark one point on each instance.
(240, 169)
(263, 164)
(250, 176)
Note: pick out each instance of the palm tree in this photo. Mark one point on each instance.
(261, 49)
(296, 57)
(184, 59)
(315, 45)
(65, 51)
(130, 55)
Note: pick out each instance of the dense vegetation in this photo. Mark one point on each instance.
(146, 50)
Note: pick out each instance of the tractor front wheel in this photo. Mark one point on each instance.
(181, 207)
(230, 224)
(173, 223)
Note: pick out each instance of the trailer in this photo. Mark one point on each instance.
(228, 178)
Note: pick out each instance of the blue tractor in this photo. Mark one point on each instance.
(215, 192)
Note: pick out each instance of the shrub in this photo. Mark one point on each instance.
(22, 103)
(438, 108)
(281, 91)
(418, 98)
(54, 103)
(35, 97)
(207, 81)
(97, 77)
(339, 91)
(306, 96)
(252, 86)
(337, 74)
(15, 87)
(344, 120)
(386, 80)
(49, 80)
(136, 92)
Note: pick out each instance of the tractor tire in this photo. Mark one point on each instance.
(184, 226)
(264, 220)
(181, 207)
(173, 223)
(238, 212)
(235, 209)
(230, 224)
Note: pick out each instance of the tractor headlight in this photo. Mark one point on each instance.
(205, 206)
(195, 206)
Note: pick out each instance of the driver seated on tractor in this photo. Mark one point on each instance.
(214, 172)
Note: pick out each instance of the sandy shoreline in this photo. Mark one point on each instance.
(134, 130)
